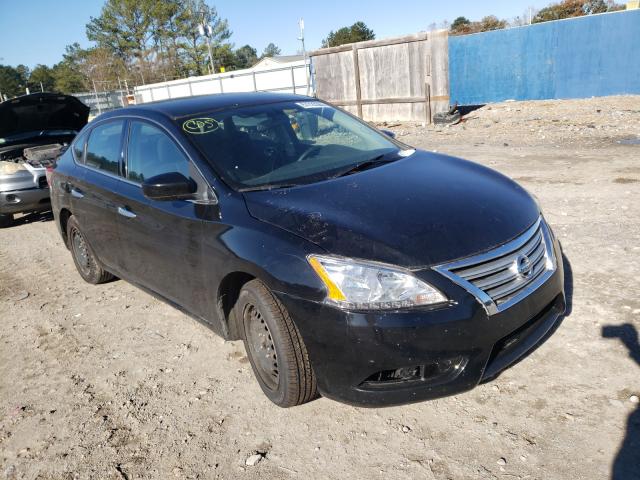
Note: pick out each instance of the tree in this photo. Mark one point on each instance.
(102, 69)
(460, 26)
(193, 45)
(575, 8)
(358, 32)
(157, 39)
(271, 50)
(41, 77)
(123, 27)
(246, 57)
(67, 79)
(67, 74)
(224, 57)
(490, 23)
(12, 81)
(166, 34)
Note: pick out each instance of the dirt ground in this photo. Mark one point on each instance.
(106, 382)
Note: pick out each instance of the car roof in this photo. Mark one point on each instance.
(186, 106)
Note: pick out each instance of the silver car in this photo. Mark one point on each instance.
(34, 130)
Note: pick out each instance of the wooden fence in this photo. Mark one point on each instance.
(395, 79)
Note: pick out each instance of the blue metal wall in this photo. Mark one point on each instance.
(589, 56)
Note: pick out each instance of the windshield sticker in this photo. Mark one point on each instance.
(311, 104)
(198, 126)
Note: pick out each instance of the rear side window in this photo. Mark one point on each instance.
(78, 148)
(152, 152)
(104, 145)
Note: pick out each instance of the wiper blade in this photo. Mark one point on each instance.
(274, 186)
(359, 167)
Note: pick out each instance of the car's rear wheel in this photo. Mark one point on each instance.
(86, 262)
(274, 346)
(6, 220)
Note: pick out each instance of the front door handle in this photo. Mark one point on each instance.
(76, 193)
(126, 213)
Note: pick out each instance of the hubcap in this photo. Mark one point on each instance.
(81, 252)
(261, 346)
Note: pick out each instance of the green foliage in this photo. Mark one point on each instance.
(224, 57)
(575, 8)
(68, 74)
(41, 77)
(358, 32)
(555, 11)
(463, 26)
(123, 27)
(460, 25)
(271, 50)
(245, 57)
(159, 39)
(193, 46)
(492, 22)
(12, 80)
(67, 79)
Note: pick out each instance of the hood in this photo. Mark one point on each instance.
(41, 111)
(422, 210)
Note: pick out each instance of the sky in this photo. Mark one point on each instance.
(37, 31)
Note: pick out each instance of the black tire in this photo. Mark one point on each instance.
(6, 220)
(86, 262)
(274, 346)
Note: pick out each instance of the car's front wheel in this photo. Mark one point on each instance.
(6, 220)
(274, 346)
(86, 262)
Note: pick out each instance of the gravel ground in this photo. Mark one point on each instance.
(106, 382)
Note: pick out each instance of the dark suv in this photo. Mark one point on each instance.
(349, 263)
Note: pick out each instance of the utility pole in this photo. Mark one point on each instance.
(95, 92)
(206, 31)
(304, 55)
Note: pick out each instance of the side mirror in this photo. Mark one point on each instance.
(169, 186)
(388, 133)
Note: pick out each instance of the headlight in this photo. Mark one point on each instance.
(9, 168)
(359, 285)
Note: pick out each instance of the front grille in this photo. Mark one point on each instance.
(506, 275)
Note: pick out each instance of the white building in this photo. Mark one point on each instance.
(286, 74)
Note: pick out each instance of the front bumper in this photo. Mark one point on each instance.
(347, 348)
(28, 200)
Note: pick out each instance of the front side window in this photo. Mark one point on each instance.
(151, 152)
(104, 146)
(267, 146)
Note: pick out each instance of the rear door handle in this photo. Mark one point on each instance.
(126, 213)
(76, 193)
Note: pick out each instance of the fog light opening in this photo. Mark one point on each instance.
(398, 375)
(12, 199)
(438, 371)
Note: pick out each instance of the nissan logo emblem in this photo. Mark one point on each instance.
(524, 266)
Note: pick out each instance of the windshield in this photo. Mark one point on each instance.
(288, 143)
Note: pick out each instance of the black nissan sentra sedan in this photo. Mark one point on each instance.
(350, 264)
